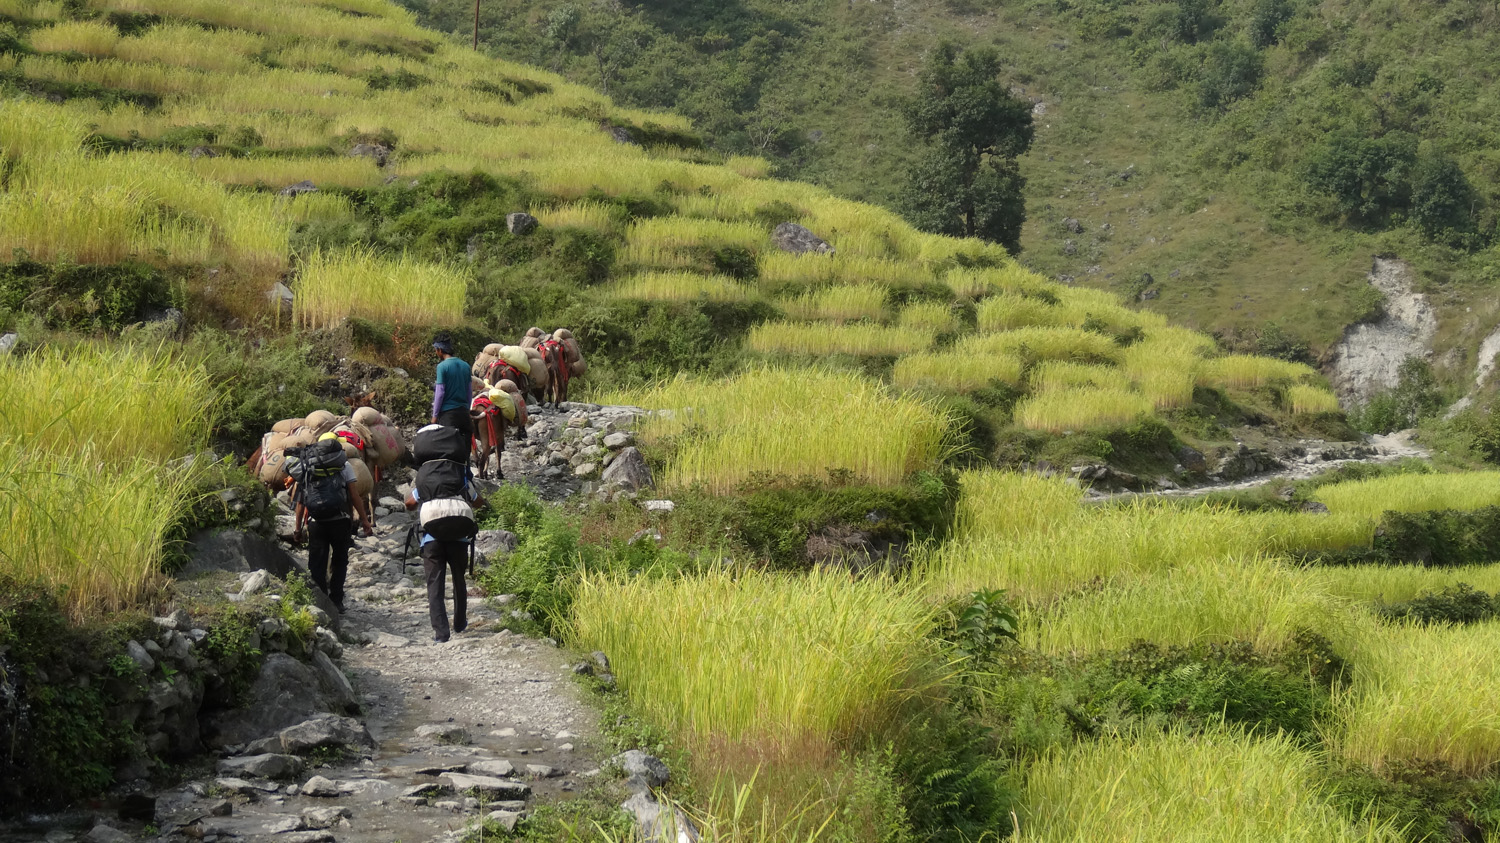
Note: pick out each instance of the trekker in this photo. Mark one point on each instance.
(324, 492)
(445, 499)
(451, 395)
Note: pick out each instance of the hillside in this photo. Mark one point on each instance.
(1235, 164)
(891, 565)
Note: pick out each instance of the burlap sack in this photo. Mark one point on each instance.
(273, 442)
(577, 369)
(482, 363)
(530, 342)
(364, 481)
(351, 452)
(273, 470)
(539, 374)
(394, 442)
(493, 349)
(368, 416)
(301, 439)
(321, 421)
(287, 425)
(476, 385)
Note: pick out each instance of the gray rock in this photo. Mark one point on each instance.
(8, 341)
(490, 543)
(658, 506)
(449, 733)
(628, 471)
(325, 817)
(520, 223)
(1314, 507)
(616, 441)
(245, 788)
(298, 189)
(488, 785)
(321, 732)
(285, 693)
(268, 766)
(791, 237)
(603, 662)
(379, 153)
(320, 786)
(1192, 459)
(498, 767)
(585, 469)
(254, 583)
(542, 771)
(235, 551)
(1073, 225)
(138, 654)
(381, 638)
(102, 833)
(504, 819)
(638, 763)
(658, 823)
(335, 685)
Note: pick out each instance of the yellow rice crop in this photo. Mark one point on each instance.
(679, 286)
(1311, 399)
(216, 50)
(279, 172)
(1009, 278)
(1083, 408)
(857, 270)
(1053, 375)
(1244, 371)
(1413, 493)
(354, 282)
(749, 166)
(1218, 786)
(844, 655)
(595, 216)
(123, 75)
(271, 17)
(1009, 311)
(91, 38)
(1080, 305)
(838, 304)
(1044, 344)
(928, 316)
(677, 241)
(1385, 584)
(792, 423)
(777, 267)
(955, 371)
(862, 339)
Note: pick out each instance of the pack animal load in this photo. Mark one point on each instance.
(444, 512)
(318, 469)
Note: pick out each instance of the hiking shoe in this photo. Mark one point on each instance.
(440, 639)
(460, 628)
(339, 604)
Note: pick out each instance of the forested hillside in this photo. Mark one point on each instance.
(1234, 163)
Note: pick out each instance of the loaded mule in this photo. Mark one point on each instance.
(493, 411)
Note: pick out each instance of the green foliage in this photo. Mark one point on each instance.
(980, 624)
(1417, 396)
(1443, 202)
(406, 401)
(1461, 603)
(1428, 801)
(1441, 538)
(1231, 71)
(968, 184)
(259, 382)
(956, 783)
(84, 298)
(233, 643)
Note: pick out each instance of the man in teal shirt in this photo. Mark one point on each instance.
(450, 400)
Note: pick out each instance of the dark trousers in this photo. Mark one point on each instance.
(438, 558)
(325, 537)
(456, 418)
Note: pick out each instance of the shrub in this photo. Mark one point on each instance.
(1456, 604)
(258, 385)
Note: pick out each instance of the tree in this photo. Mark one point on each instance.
(610, 36)
(967, 183)
(1369, 178)
(1442, 201)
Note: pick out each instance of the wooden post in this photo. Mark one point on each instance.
(476, 25)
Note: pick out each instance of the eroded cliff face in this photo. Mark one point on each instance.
(1369, 358)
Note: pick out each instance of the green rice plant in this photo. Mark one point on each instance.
(27, 10)
(877, 271)
(214, 50)
(1385, 584)
(1423, 694)
(754, 424)
(844, 657)
(1011, 506)
(860, 231)
(861, 339)
(1053, 375)
(1008, 278)
(928, 316)
(306, 207)
(1164, 367)
(394, 30)
(837, 304)
(939, 251)
(1412, 493)
(1079, 306)
(1045, 344)
(89, 527)
(749, 166)
(955, 371)
(91, 38)
(31, 129)
(781, 268)
(1254, 599)
(1009, 311)
(1243, 371)
(160, 406)
(278, 172)
(122, 75)
(1218, 786)
(595, 216)
(1084, 408)
(337, 284)
(678, 241)
(679, 286)
(1304, 399)
(1166, 388)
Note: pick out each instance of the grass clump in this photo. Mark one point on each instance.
(1412, 493)
(1244, 371)
(936, 317)
(680, 286)
(955, 371)
(722, 433)
(862, 339)
(1082, 408)
(1220, 785)
(340, 283)
(838, 304)
(1009, 311)
(1310, 400)
(1045, 344)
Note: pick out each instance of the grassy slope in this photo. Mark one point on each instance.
(1214, 209)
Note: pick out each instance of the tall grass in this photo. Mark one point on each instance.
(678, 241)
(1052, 375)
(838, 304)
(1424, 694)
(356, 282)
(783, 268)
(1304, 399)
(1243, 371)
(91, 38)
(216, 50)
(928, 316)
(757, 423)
(1180, 787)
(859, 339)
(1011, 506)
(1008, 311)
(679, 286)
(760, 657)
(1045, 344)
(595, 216)
(1082, 408)
(955, 371)
(159, 406)
(1412, 493)
(1399, 583)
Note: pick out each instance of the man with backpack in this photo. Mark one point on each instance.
(451, 394)
(444, 497)
(324, 493)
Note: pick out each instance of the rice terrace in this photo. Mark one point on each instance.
(433, 421)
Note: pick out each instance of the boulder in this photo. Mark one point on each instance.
(374, 151)
(285, 693)
(649, 768)
(325, 731)
(235, 551)
(520, 223)
(487, 785)
(497, 767)
(791, 237)
(490, 543)
(335, 685)
(628, 471)
(449, 733)
(1192, 460)
(616, 441)
(8, 341)
(658, 823)
(298, 189)
(1073, 225)
(320, 786)
(325, 817)
(267, 766)
(102, 833)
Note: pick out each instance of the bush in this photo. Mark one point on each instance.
(1428, 801)
(85, 298)
(1458, 604)
(1441, 538)
(1416, 397)
(259, 383)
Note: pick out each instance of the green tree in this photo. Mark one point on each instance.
(967, 183)
(1231, 70)
(610, 37)
(1443, 201)
(1368, 178)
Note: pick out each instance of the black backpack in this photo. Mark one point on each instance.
(444, 512)
(440, 442)
(319, 470)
